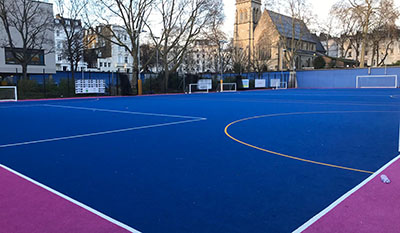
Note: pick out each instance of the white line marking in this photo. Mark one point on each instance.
(100, 133)
(22, 106)
(124, 112)
(342, 198)
(126, 227)
(293, 102)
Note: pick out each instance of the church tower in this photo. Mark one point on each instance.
(248, 13)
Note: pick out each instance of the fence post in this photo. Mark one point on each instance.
(68, 91)
(109, 84)
(117, 82)
(44, 84)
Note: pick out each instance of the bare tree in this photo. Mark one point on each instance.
(382, 41)
(365, 17)
(293, 29)
(69, 14)
(261, 55)
(28, 28)
(131, 16)
(347, 28)
(384, 33)
(364, 10)
(239, 59)
(182, 22)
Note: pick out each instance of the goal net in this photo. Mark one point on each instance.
(198, 88)
(282, 85)
(202, 86)
(278, 84)
(8, 93)
(376, 81)
(227, 87)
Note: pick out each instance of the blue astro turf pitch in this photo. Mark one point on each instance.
(167, 163)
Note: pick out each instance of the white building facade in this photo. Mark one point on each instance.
(62, 63)
(205, 57)
(108, 56)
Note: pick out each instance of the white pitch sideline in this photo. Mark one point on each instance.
(123, 112)
(107, 218)
(99, 133)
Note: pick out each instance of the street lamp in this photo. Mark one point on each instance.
(157, 38)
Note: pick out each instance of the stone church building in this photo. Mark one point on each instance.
(272, 40)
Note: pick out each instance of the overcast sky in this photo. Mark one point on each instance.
(321, 9)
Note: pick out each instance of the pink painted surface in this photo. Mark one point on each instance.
(374, 208)
(28, 208)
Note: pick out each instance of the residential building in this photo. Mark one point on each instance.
(75, 30)
(202, 57)
(43, 60)
(103, 54)
(330, 44)
(380, 50)
(266, 36)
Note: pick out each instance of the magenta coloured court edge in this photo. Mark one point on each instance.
(30, 207)
(373, 206)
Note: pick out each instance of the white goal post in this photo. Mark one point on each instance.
(283, 85)
(197, 88)
(227, 87)
(8, 93)
(377, 81)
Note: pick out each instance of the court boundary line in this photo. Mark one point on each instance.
(98, 133)
(73, 201)
(282, 101)
(295, 157)
(21, 106)
(343, 197)
(121, 111)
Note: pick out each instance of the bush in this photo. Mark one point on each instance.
(396, 63)
(319, 63)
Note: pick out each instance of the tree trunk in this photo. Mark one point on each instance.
(166, 78)
(24, 71)
(72, 68)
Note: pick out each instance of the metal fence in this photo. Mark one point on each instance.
(62, 85)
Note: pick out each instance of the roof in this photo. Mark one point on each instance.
(284, 24)
(320, 48)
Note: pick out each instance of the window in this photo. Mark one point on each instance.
(109, 64)
(36, 55)
(59, 57)
(126, 59)
(58, 32)
(350, 54)
(101, 64)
